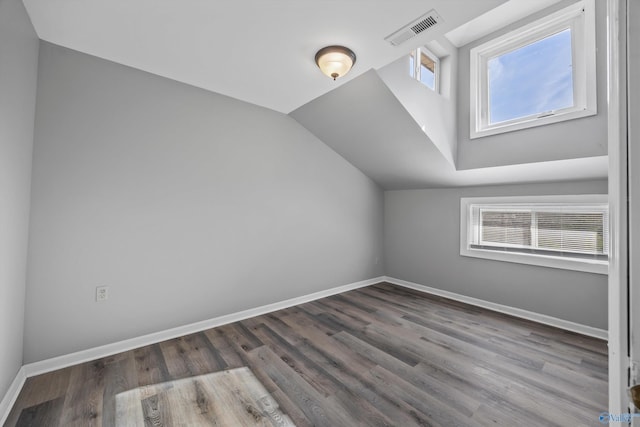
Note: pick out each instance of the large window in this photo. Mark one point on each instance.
(555, 231)
(539, 74)
(427, 70)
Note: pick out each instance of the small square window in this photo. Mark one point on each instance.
(426, 72)
(541, 73)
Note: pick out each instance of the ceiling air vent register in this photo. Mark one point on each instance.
(415, 27)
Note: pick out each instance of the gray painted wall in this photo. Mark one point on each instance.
(188, 204)
(18, 82)
(584, 137)
(422, 245)
(434, 112)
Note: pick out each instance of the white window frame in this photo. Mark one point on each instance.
(580, 18)
(563, 262)
(417, 67)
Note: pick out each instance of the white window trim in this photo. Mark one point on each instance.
(577, 264)
(417, 67)
(580, 17)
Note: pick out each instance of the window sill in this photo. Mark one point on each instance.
(532, 122)
(576, 264)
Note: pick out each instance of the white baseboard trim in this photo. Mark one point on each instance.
(48, 365)
(517, 312)
(11, 395)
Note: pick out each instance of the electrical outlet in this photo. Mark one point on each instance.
(102, 293)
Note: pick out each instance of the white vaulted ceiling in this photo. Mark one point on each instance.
(262, 52)
(259, 51)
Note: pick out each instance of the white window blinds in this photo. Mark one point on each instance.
(544, 229)
(505, 228)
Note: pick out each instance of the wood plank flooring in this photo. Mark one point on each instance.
(376, 356)
(233, 397)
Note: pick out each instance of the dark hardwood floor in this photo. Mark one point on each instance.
(380, 355)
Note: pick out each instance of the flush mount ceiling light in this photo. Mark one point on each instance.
(335, 61)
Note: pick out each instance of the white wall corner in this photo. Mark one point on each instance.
(517, 312)
(12, 394)
(432, 111)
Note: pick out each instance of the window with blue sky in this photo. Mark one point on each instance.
(427, 71)
(534, 79)
(540, 73)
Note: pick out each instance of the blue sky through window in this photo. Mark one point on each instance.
(533, 79)
(427, 77)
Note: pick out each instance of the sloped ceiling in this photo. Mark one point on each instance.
(365, 123)
(259, 51)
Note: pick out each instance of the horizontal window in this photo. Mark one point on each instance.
(539, 74)
(554, 231)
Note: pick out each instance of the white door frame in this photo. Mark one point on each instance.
(633, 129)
(618, 197)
